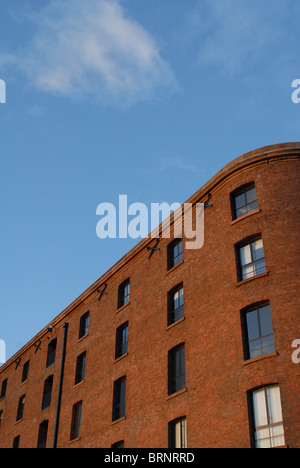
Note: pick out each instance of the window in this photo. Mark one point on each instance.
(80, 368)
(268, 430)
(3, 389)
(175, 253)
(176, 369)
(251, 259)
(118, 445)
(47, 392)
(119, 399)
(124, 293)
(84, 325)
(25, 371)
(51, 353)
(244, 201)
(43, 432)
(175, 304)
(122, 340)
(258, 337)
(177, 434)
(21, 405)
(76, 421)
(16, 442)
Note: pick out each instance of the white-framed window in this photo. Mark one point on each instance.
(268, 421)
(251, 259)
(177, 433)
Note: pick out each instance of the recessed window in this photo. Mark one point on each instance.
(119, 400)
(25, 372)
(244, 201)
(176, 360)
(84, 325)
(76, 421)
(21, 405)
(251, 259)
(122, 340)
(118, 445)
(258, 336)
(16, 442)
(43, 433)
(177, 434)
(175, 253)
(51, 353)
(47, 395)
(124, 293)
(3, 389)
(268, 430)
(175, 304)
(80, 368)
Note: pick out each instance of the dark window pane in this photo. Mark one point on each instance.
(80, 368)
(260, 339)
(124, 293)
(265, 320)
(16, 442)
(122, 340)
(21, 405)
(175, 253)
(25, 371)
(76, 421)
(51, 353)
(175, 304)
(252, 325)
(43, 432)
(119, 399)
(3, 389)
(84, 325)
(118, 445)
(176, 369)
(47, 395)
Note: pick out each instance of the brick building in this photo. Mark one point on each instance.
(190, 348)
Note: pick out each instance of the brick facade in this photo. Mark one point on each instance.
(218, 379)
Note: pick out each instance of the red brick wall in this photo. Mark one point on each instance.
(217, 377)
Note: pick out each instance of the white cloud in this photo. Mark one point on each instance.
(235, 35)
(82, 47)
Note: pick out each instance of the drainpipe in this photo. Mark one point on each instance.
(60, 386)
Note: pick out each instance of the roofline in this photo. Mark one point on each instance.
(280, 151)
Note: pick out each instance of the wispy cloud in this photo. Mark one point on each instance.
(91, 47)
(235, 35)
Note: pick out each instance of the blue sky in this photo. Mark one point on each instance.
(148, 98)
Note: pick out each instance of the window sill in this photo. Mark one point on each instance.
(259, 358)
(79, 383)
(74, 440)
(174, 395)
(240, 283)
(118, 421)
(120, 358)
(246, 216)
(174, 267)
(169, 327)
(19, 421)
(123, 307)
(82, 338)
